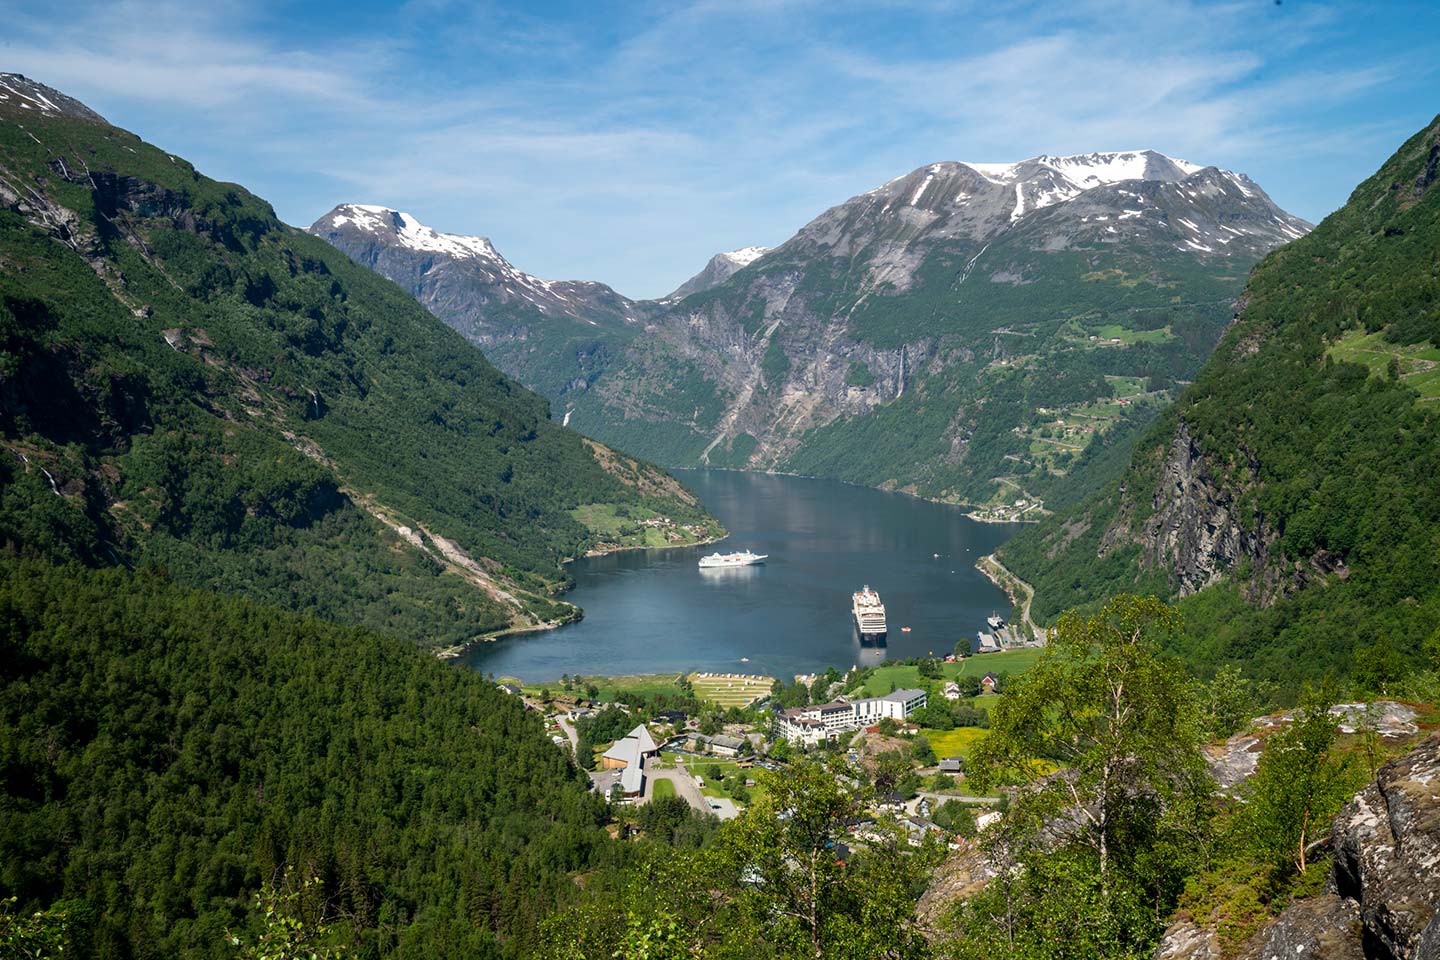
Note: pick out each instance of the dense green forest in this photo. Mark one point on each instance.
(1325, 457)
(184, 380)
(166, 751)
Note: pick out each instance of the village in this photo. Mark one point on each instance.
(903, 730)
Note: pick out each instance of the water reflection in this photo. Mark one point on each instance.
(655, 611)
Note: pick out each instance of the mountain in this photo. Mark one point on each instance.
(963, 332)
(987, 333)
(1292, 494)
(187, 383)
(721, 267)
(552, 331)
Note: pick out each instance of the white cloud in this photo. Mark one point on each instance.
(628, 148)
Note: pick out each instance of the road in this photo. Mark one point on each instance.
(685, 787)
(1020, 592)
(569, 729)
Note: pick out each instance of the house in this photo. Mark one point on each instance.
(628, 756)
(723, 746)
(894, 801)
(670, 716)
(989, 683)
(510, 688)
(952, 690)
(952, 765)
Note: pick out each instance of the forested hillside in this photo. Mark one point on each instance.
(166, 751)
(185, 380)
(1293, 492)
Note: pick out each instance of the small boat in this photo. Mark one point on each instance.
(937, 556)
(744, 659)
(904, 629)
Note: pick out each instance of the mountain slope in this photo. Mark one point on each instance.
(167, 751)
(186, 381)
(1293, 492)
(961, 332)
(983, 333)
(554, 332)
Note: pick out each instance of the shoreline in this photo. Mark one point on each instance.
(965, 505)
(1001, 575)
(456, 651)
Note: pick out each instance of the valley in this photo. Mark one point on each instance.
(1083, 594)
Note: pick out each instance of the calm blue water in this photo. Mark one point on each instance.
(653, 611)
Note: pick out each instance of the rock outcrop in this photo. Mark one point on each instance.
(1384, 890)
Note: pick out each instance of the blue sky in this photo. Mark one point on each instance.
(628, 142)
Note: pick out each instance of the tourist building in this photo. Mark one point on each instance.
(813, 724)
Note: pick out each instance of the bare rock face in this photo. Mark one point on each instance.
(1326, 927)
(1387, 856)
(1195, 531)
(1187, 940)
(1385, 887)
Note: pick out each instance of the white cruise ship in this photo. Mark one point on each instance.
(742, 559)
(869, 613)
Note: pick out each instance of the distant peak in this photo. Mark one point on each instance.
(20, 95)
(407, 230)
(745, 255)
(1094, 169)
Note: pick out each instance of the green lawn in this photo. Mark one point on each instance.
(605, 521)
(663, 789)
(1111, 331)
(1008, 661)
(643, 685)
(1419, 363)
(953, 743)
(731, 690)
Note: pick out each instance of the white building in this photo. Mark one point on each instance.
(811, 725)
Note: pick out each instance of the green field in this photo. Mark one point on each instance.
(610, 688)
(953, 743)
(1419, 363)
(731, 690)
(1008, 661)
(663, 789)
(1111, 331)
(604, 520)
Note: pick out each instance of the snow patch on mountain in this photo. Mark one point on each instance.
(745, 255)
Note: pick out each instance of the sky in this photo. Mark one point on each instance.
(629, 142)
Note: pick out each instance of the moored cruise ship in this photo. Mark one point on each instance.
(869, 613)
(742, 559)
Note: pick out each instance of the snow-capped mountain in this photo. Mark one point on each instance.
(432, 264)
(721, 267)
(1137, 197)
(18, 90)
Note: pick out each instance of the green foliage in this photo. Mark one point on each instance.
(1117, 717)
(286, 933)
(769, 884)
(168, 750)
(229, 408)
(42, 935)
(1334, 468)
(1299, 785)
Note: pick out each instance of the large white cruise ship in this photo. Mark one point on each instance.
(742, 559)
(869, 613)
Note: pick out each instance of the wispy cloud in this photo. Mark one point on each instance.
(627, 143)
